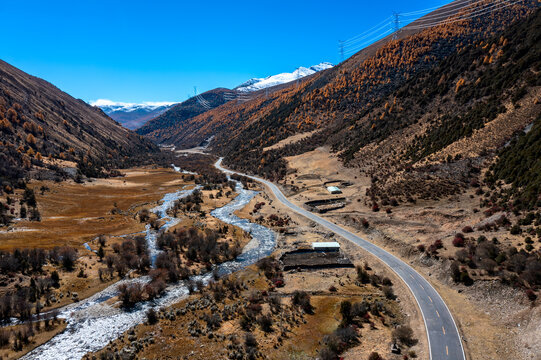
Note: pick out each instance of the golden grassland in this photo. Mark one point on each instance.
(73, 214)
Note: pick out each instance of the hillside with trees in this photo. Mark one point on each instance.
(157, 129)
(39, 122)
(416, 84)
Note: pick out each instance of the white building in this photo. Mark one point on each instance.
(334, 190)
(326, 246)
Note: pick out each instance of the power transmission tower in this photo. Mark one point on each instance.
(341, 46)
(396, 25)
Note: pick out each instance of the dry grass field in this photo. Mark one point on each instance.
(73, 214)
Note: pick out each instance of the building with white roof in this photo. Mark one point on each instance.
(334, 190)
(326, 246)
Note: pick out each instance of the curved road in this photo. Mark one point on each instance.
(443, 337)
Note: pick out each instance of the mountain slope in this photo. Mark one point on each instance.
(348, 101)
(168, 127)
(38, 120)
(157, 128)
(130, 115)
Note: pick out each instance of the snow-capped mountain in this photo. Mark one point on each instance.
(135, 115)
(132, 115)
(256, 84)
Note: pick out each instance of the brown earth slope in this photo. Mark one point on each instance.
(39, 120)
(335, 98)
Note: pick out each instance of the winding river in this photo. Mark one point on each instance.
(93, 323)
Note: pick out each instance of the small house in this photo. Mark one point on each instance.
(326, 246)
(334, 190)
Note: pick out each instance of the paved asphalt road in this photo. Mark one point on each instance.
(443, 337)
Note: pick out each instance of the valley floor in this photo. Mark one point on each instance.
(72, 214)
(180, 330)
(495, 321)
(83, 216)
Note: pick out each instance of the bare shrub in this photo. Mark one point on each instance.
(152, 316)
(302, 299)
(5, 336)
(130, 294)
(68, 256)
(265, 322)
(389, 292)
(404, 334)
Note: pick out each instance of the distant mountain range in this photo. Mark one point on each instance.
(256, 84)
(132, 115)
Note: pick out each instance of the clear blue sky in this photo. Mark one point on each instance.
(157, 50)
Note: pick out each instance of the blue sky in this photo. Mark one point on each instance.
(158, 50)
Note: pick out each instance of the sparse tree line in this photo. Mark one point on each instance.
(20, 336)
(519, 165)
(182, 248)
(190, 203)
(514, 267)
(130, 254)
(356, 315)
(203, 165)
(24, 300)
(480, 256)
(202, 246)
(28, 207)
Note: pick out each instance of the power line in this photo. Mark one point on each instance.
(424, 23)
(368, 42)
(454, 6)
(501, 5)
(450, 14)
(240, 96)
(204, 103)
(359, 38)
(385, 21)
(448, 11)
